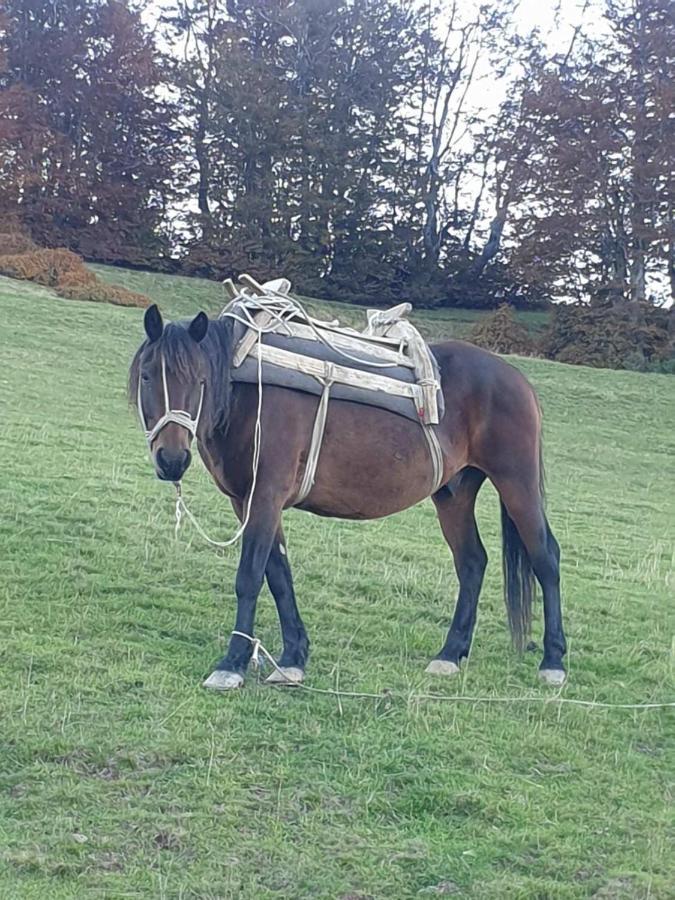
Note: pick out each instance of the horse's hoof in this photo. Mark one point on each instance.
(442, 667)
(554, 677)
(220, 680)
(286, 675)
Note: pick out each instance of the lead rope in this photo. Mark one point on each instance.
(181, 506)
(259, 648)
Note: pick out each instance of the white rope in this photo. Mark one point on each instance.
(317, 438)
(181, 506)
(281, 308)
(258, 648)
(179, 416)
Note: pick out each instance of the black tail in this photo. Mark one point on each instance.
(519, 583)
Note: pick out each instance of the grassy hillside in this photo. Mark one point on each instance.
(180, 296)
(121, 777)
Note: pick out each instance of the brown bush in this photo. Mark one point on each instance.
(44, 266)
(15, 241)
(100, 292)
(67, 274)
(634, 337)
(501, 333)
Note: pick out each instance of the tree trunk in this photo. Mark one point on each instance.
(639, 181)
(202, 158)
(491, 247)
(671, 253)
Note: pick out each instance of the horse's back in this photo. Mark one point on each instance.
(478, 373)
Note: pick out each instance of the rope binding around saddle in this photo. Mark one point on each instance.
(387, 365)
(276, 341)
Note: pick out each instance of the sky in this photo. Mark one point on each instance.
(556, 19)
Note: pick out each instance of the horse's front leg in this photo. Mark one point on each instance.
(255, 550)
(296, 644)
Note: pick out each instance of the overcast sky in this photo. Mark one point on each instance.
(555, 19)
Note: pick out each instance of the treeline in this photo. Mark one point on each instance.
(371, 150)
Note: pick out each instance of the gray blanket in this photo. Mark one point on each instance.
(299, 381)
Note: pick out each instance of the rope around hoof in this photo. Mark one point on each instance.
(258, 648)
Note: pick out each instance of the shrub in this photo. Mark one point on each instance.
(100, 292)
(47, 267)
(15, 241)
(502, 333)
(67, 274)
(633, 337)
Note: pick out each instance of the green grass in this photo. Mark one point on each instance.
(121, 777)
(181, 296)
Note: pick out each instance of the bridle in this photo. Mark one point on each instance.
(178, 416)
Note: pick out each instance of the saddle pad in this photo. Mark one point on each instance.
(356, 359)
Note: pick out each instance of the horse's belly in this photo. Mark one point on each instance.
(372, 464)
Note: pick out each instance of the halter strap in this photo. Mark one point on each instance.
(179, 416)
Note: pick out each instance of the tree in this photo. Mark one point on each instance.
(294, 111)
(86, 143)
(595, 221)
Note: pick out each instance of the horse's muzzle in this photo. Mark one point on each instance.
(171, 465)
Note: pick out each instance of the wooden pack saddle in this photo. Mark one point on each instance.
(388, 364)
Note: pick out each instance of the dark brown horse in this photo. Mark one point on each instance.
(373, 463)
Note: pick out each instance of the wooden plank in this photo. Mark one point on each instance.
(250, 282)
(425, 373)
(353, 344)
(229, 288)
(354, 377)
(262, 320)
(375, 339)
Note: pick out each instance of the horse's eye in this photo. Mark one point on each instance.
(145, 377)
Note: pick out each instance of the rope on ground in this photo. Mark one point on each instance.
(258, 649)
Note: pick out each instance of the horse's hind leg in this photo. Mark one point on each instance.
(455, 506)
(522, 499)
(296, 643)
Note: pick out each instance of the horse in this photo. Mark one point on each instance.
(373, 463)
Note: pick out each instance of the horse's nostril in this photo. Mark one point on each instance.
(171, 465)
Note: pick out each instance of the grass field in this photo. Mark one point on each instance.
(121, 777)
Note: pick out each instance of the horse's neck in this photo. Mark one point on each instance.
(228, 452)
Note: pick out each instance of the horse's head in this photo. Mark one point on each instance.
(168, 382)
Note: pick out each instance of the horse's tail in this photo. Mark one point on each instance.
(519, 583)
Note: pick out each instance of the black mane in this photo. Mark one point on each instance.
(190, 362)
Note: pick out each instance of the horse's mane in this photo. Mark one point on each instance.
(186, 360)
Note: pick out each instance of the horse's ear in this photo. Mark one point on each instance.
(153, 323)
(198, 327)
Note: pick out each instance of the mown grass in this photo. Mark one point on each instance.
(121, 777)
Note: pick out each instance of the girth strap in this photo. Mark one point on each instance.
(317, 436)
(309, 475)
(436, 456)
